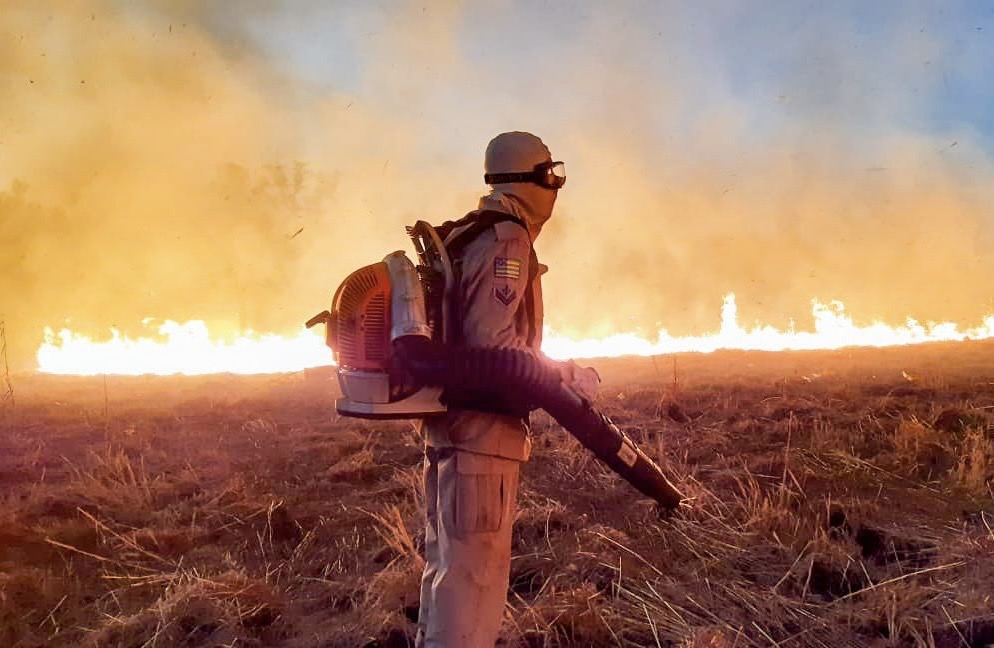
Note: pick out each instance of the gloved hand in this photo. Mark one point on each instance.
(585, 381)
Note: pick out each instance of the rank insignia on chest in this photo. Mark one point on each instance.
(505, 295)
(506, 268)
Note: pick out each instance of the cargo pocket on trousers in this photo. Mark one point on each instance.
(483, 488)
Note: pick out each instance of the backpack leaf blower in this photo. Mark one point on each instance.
(390, 328)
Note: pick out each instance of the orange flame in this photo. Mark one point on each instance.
(833, 329)
(189, 348)
(182, 349)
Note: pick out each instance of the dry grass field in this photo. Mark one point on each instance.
(836, 499)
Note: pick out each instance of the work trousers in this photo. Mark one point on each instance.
(470, 500)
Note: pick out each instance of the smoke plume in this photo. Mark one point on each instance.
(232, 163)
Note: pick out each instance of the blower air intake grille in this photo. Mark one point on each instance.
(376, 327)
(361, 311)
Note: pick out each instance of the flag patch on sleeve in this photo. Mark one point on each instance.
(506, 268)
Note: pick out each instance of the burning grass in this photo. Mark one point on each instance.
(835, 499)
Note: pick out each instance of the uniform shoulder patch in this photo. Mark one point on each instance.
(507, 268)
(505, 295)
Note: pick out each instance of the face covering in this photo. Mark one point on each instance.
(512, 156)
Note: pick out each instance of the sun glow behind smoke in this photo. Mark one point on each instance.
(189, 348)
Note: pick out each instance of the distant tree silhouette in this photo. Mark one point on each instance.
(6, 387)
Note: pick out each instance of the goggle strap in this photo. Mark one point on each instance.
(504, 178)
(540, 175)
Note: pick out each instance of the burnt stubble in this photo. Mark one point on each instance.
(835, 498)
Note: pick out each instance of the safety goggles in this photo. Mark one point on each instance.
(551, 175)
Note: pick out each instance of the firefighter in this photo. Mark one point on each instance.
(473, 453)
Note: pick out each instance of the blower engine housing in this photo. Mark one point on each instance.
(373, 307)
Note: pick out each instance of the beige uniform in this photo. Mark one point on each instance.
(473, 457)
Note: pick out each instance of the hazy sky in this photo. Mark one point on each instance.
(922, 66)
(925, 67)
(158, 159)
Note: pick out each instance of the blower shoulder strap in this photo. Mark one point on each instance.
(479, 222)
(466, 230)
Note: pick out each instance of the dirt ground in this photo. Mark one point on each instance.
(835, 499)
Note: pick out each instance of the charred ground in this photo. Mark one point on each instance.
(837, 498)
